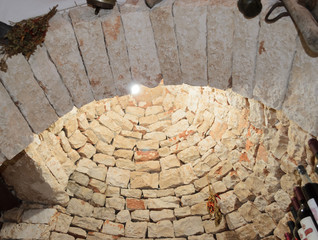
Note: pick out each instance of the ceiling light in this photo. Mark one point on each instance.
(135, 89)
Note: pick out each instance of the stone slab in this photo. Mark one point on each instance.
(244, 54)
(303, 85)
(24, 231)
(220, 20)
(63, 49)
(145, 67)
(89, 34)
(50, 81)
(16, 134)
(163, 27)
(276, 50)
(117, 49)
(27, 94)
(191, 30)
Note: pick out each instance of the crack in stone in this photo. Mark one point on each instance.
(107, 53)
(43, 88)
(61, 77)
(129, 59)
(16, 103)
(82, 59)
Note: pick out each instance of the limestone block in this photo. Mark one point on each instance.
(117, 203)
(242, 192)
(164, 202)
(104, 159)
(244, 52)
(77, 232)
(27, 94)
(153, 110)
(189, 155)
(184, 190)
(193, 199)
(145, 67)
(125, 164)
(161, 229)
(63, 49)
(170, 178)
(61, 236)
(123, 216)
(113, 228)
(103, 147)
(210, 227)
(187, 174)
(159, 126)
(123, 153)
(87, 223)
(234, 220)
(148, 145)
(98, 186)
(158, 193)
(202, 237)
(120, 120)
(136, 229)
(122, 142)
(24, 231)
(220, 170)
(89, 35)
(103, 133)
(188, 226)
(50, 81)
(282, 198)
(70, 126)
(140, 215)
(98, 199)
(227, 235)
(77, 139)
(84, 165)
(220, 20)
(274, 61)
(166, 214)
(182, 212)
(206, 144)
(98, 173)
(190, 22)
(264, 224)
(177, 128)
(199, 209)
(131, 193)
(163, 28)
(302, 85)
(34, 182)
(170, 161)
(136, 135)
(104, 213)
(149, 166)
(117, 49)
(144, 180)
(63, 223)
(87, 151)
(228, 202)
(38, 215)
(79, 207)
(118, 177)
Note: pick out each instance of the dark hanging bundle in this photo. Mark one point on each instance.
(24, 37)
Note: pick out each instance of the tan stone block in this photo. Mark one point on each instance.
(149, 166)
(234, 220)
(190, 200)
(125, 164)
(98, 173)
(159, 136)
(148, 145)
(63, 223)
(158, 193)
(97, 186)
(77, 139)
(131, 193)
(123, 153)
(164, 202)
(121, 121)
(118, 177)
(103, 133)
(161, 229)
(87, 223)
(170, 178)
(153, 110)
(187, 174)
(87, 151)
(170, 161)
(84, 165)
(113, 228)
(189, 155)
(109, 123)
(210, 227)
(136, 135)
(140, 215)
(123, 216)
(159, 126)
(77, 232)
(104, 159)
(144, 180)
(104, 213)
(122, 142)
(146, 155)
(79, 207)
(166, 214)
(184, 190)
(136, 229)
(177, 128)
(182, 212)
(103, 147)
(188, 226)
(264, 224)
(117, 203)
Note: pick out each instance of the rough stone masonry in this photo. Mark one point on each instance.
(139, 167)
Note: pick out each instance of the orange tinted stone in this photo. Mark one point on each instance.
(146, 155)
(134, 204)
(262, 153)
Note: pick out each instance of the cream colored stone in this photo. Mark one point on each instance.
(169, 162)
(140, 215)
(84, 165)
(164, 202)
(264, 224)
(118, 177)
(103, 133)
(131, 193)
(113, 228)
(161, 229)
(117, 203)
(98, 173)
(159, 126)
(188, 226)
(136, 229)
(104, 213)
(210, 227)
(144, 180)
(158, 193)
(36, 216)
(123, 216)
(78, 232)
(87, 151)
(123, 153)
(177, 128)
(126, 133)
(184, 190)
(87, 223)
(190, 200)
(206, 144)
(234, 220)
(149, 166)
(153, 110)
(63, 223)
(64, 142)
(123, 142)
(165, 214)
(24, 230)
(189, 155)
(98, 186)
(148, 120)
(170, 178)
(109, 123)
(125, 164)
(187, 174)
(79, 207)
(77, 139)
(103, 147)
(104, 159)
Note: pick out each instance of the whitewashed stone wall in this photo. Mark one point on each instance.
(140, 168)
(87, 57)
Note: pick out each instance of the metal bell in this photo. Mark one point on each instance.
(101, 4)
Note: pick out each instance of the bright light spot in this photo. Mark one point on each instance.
(135, 89)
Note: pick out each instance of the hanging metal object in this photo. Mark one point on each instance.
(101, 4)
(249, 8)
(151, 3)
